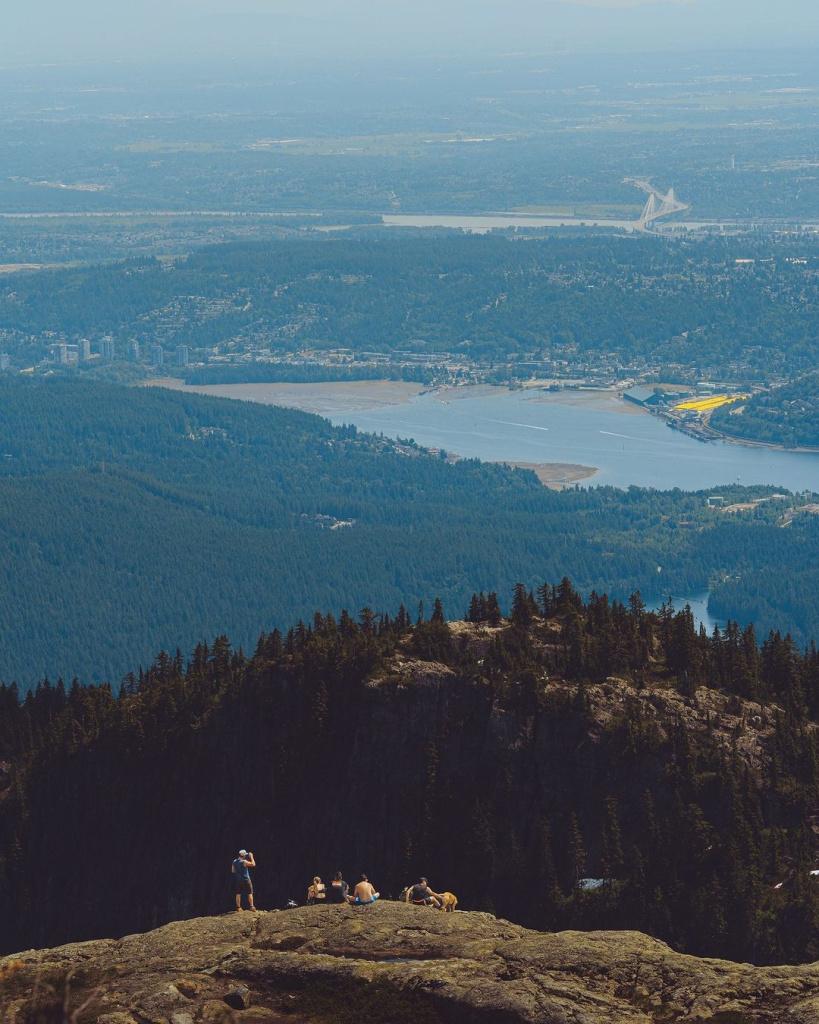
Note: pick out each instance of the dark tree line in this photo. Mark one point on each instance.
(511, 760)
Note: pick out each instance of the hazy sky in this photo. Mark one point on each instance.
(63, 29)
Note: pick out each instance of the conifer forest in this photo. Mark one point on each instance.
(577, 764)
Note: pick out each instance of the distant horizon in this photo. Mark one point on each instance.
(197, 57)
(46, 31)
(204, 62)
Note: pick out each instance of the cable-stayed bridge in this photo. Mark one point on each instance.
(658, 205)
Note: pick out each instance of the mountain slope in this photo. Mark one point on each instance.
(136, 520)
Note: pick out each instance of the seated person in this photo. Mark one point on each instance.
(338, 889)
(363, 893)
(422, 896)
(317, 891)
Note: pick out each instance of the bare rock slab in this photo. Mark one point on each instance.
(443, 968)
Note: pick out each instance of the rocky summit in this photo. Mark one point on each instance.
(391, 963)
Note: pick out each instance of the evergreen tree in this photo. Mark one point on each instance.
(611, 858)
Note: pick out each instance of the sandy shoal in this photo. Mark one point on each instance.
(603, 401)
(556, 475)
(598, 400)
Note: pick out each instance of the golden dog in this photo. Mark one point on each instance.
(449, 902)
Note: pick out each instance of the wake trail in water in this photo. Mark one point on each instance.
(511, 423)
(652, 440)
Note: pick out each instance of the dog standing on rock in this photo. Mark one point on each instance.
(449, 901)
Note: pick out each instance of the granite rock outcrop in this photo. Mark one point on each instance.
(316, 963)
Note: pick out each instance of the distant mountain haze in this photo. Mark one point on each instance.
(52, 30)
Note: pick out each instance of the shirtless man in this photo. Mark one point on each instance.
(364, 892)
(239, 868)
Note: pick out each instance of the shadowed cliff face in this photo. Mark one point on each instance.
(396, 963)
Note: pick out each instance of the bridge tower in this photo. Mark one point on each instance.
(658, 205)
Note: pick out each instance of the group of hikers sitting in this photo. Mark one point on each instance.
(338, 891)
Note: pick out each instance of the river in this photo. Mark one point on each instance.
(475, 223)
(590, 436)
(699, 609)
(482, 223)
(620, 444)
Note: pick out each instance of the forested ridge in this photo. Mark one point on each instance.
(786, 415)
(136, 519)
(743, 307)
(507, 759)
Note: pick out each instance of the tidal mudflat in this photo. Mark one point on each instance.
(324, 399)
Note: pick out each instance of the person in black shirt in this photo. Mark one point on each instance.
(337, 890)
(422, 896)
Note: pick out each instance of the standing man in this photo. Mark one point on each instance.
(240, 869)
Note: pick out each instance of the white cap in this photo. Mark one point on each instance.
(242, 853)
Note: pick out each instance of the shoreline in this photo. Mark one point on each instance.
(744, 442)
(773, 446)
